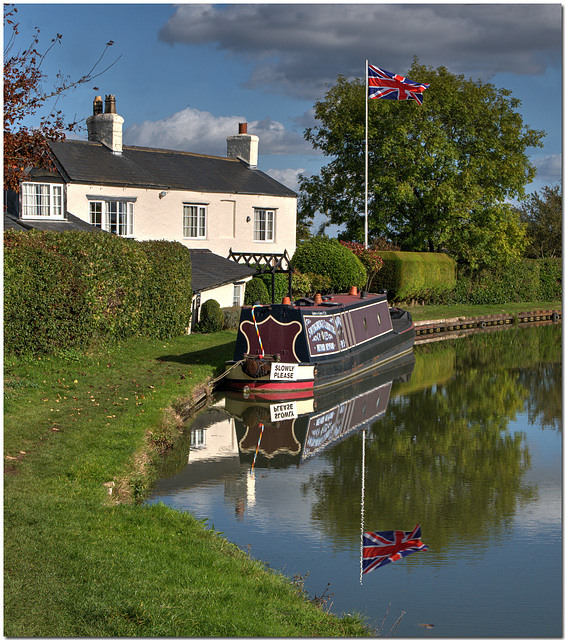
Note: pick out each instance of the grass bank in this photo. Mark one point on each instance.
(81, 558)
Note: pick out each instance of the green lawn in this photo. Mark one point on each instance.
(78, 561)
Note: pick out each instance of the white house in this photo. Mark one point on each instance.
(210, 204)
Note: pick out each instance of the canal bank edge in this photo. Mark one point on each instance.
(428, 330)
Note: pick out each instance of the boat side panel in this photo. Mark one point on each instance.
(276, 337)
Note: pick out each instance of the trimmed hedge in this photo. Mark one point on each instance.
(281, 285)
(407, 274)
(524, 281)
(211, 317)
(328, 257)
(64, 290)
(256, 291)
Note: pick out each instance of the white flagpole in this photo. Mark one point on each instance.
(366, 151)
(362, 507)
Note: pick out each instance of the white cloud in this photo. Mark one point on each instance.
(548, 168)
(299, 48)
(288, 177)
(202, 132)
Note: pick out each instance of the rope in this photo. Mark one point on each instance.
(213, 382)
(257, 328)
(258, 444)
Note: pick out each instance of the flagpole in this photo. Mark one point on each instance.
(362, 508)
(366, 151)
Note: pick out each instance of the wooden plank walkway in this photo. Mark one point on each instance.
(428, 330)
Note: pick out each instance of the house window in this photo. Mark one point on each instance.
(194, 221)
(237, 291)
(264, 225)
(42, 200)
(197, 438)
(115, 216)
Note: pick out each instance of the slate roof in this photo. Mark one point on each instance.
(210, 270)
(71, 223)
(93, 163)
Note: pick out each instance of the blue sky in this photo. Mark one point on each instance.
(187, 74)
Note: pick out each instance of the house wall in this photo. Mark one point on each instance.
(161, 218)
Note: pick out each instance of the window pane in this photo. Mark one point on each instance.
(43, 200)
(194, 221)
(96, 214)
(264, 225)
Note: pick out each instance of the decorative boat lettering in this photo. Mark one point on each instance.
(283, 371)
(283, 411)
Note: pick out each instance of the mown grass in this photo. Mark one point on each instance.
(81, 562)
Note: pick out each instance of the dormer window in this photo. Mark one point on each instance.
(42, 200)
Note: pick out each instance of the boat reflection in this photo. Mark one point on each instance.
(281, 434)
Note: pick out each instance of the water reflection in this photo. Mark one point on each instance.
(467, 443)
(288, 433)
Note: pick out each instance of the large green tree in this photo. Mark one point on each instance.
(439, 174)
(542, 215)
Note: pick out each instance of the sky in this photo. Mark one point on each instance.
(185, 75)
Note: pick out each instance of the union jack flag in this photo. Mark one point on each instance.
(390, 86)
(384, 547)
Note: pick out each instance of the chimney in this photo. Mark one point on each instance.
(105, 127)
(244, 146)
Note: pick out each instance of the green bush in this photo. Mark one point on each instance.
(328, 257)
(281, 285)
(256, 291)
(45, 301)
(307, 284)
(231, 317)
(551, 279)
(407, 274)
(523, 281)
(167, 301)
(65, 290)
(211, 317)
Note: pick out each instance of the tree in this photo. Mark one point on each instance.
(26, 146)
(438, 173)
(542, 215)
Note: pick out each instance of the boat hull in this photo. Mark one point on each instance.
(288, 351)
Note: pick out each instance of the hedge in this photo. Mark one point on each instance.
(407, 274)
(63, 290)
(523, 281)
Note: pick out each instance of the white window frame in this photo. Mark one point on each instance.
(264, 225)
(112, 215)
(41, 200)
(237, 294)
(194, 221)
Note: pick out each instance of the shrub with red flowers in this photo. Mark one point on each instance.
(370, 259)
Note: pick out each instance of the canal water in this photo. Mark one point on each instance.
(465, 440)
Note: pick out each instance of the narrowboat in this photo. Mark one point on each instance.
(288, 350)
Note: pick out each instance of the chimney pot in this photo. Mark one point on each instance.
(242, 127)
(110, 104)
(97, 105)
